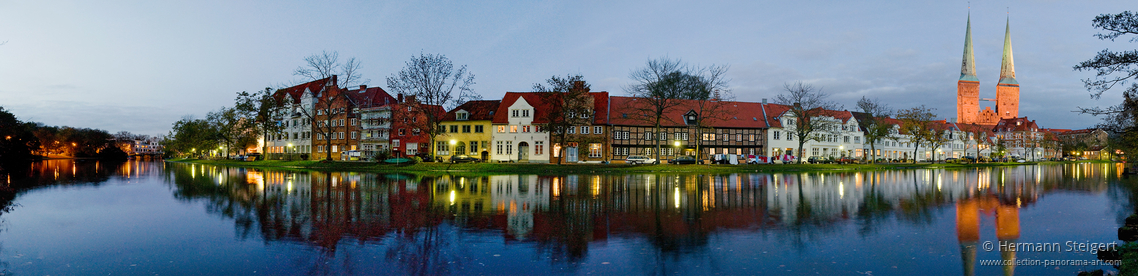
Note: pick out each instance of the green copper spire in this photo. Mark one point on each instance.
(968, 66)
(1007, 70)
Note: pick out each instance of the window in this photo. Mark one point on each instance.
(341, 135)
(353, 121)
(525, 113)
(526, 129)
(499, 147)
(395, 143)
(333, 123)
(556, 150)
(845, 139)
(402, 132)
(815, 151)
(647, 136)
(706, 136)
(738, 137)
(474, 147)
(595, 150)
(354, 135)
(477, 129)
(320, 148)
(572, 130)
(509, 148)
(465, 129)
(461, 115)
(857, 139)
(538, 147)
(513, 129)
(319, 137)
(663, 136)
(598, 130)
(341, 122)
(501, 129)
(454, 129)
(584, 130)
(514, 113)
(751, 137)
(727, 138)
(776, 134)
(441, 148)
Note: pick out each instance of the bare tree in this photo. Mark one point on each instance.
(708, 87)
(876, 127)
(807, 105)
(432, 81)
(917, 124)
(569, 104)
(329, 100)
(659, 87)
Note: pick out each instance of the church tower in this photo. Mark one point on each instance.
(1007, 91)
(968, 87)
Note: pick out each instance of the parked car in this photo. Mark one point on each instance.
(463, 159)
(685, 159)
(952, 160)
(848, 160)
(817, 160)
(640, 159)
(1020, 160)
(758, 159)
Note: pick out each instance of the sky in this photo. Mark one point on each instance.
(139, 66)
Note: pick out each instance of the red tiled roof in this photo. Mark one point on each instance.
(296, 91)
(735, 114)
(479, 110)
(1016, 124)
(370, 97)
(776, 111)
(541, 108)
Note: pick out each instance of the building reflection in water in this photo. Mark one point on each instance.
(417, 217)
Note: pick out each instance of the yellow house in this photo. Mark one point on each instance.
(466, 130)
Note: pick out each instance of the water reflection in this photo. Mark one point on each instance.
(420, 221)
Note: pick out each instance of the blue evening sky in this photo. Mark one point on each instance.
(139, 66)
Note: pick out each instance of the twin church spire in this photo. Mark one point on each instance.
(968, 94)
(968, 65)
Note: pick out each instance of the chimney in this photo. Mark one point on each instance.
(400, 100)
(363, 87)
(764, 100)
(578, 85)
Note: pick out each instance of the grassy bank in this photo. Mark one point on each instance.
(436, 168)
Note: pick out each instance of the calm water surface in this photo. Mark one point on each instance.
(84, 218)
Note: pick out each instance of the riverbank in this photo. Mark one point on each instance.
(445, 168)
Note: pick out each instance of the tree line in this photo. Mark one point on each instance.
(22, 142)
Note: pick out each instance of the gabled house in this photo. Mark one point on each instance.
(369, 122)
(295, 116)
(516, 137)
(839, 135)
(467, 130)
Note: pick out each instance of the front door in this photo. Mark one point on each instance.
(523, 151)
(485, 156)
(571, 154)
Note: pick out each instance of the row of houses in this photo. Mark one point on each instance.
(321, 120)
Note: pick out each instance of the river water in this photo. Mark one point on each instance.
(156, 218)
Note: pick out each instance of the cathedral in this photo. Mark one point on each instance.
(968, 87)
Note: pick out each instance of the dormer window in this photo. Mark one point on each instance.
(690, 117)
(462, 115)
